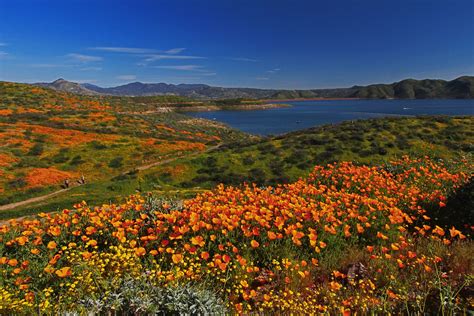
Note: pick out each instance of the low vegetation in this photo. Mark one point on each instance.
(345, 239)
(285, 158)
(49, 136)
(370, 216)
(274, 160)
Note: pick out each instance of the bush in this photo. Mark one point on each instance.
(36, 150)
(116, 163)
(17, 183)
(77, 160)
(257, 175)
(97, 145)
(248, 160)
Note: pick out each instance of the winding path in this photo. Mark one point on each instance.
(32, 200)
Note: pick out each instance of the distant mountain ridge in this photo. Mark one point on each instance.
(459, 88)
(68, 86)
(462, 88)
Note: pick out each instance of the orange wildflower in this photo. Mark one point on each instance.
(177, 258)
(64, 272)
(140, 251)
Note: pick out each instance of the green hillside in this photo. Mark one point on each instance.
(48, 136)
(282, 159)
(287, 157)
(460, 88)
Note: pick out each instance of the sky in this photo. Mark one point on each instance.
(240, 43)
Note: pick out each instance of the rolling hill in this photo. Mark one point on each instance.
(48, 136)
(275, 160)
(67, 86)
(462, 87)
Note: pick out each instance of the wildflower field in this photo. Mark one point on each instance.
(48, 136)
(345, 239)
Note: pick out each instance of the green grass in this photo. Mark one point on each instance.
(280, 159)
(99, 137)
(122, 137)
(287, 157)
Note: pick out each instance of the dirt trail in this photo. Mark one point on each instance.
(144, 167)
(163, 162)
(32, 200)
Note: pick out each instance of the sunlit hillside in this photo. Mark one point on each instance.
(49, 136)
(345, 239)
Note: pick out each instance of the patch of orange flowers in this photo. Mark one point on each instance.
(6, 160)
(259, 248)
(46, 176)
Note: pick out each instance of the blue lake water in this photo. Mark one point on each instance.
(304, 114)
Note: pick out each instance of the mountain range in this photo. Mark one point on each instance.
(462, 88)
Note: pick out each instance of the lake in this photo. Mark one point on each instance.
(304, 114)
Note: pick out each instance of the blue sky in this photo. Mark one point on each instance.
(268, 44)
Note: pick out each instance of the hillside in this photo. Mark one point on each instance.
(344, 239)
(48, 136)
(284, 158)
(462, 87)
(67, 86)
(152, 231)
(281, 159)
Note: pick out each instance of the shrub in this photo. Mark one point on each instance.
(116, 162)
(97, 145)
(17, 183)
(248, 160)
(36, 150)
(76, 160)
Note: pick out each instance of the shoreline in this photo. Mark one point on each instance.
(310, 99)
(240, 107)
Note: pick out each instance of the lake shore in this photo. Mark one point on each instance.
(239, 107)
(306, 114)
(310, 99)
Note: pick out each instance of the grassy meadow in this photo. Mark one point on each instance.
(186, 216)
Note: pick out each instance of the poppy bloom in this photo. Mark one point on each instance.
(52, 245)
(177, 257)
(64, 272)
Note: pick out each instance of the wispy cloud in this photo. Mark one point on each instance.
(272, 71)
(174, 51)
(137, 50)
(42, 65)
(3, 44)
(262, 78)
(155, 57)
(243, 59)
(126, 77)
(182, 67)
(84, 58)
(3, 54)
(91, 69)
(127, 50)
(209, 74)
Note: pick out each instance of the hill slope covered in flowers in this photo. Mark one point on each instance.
(49, 136)
(346, 238)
